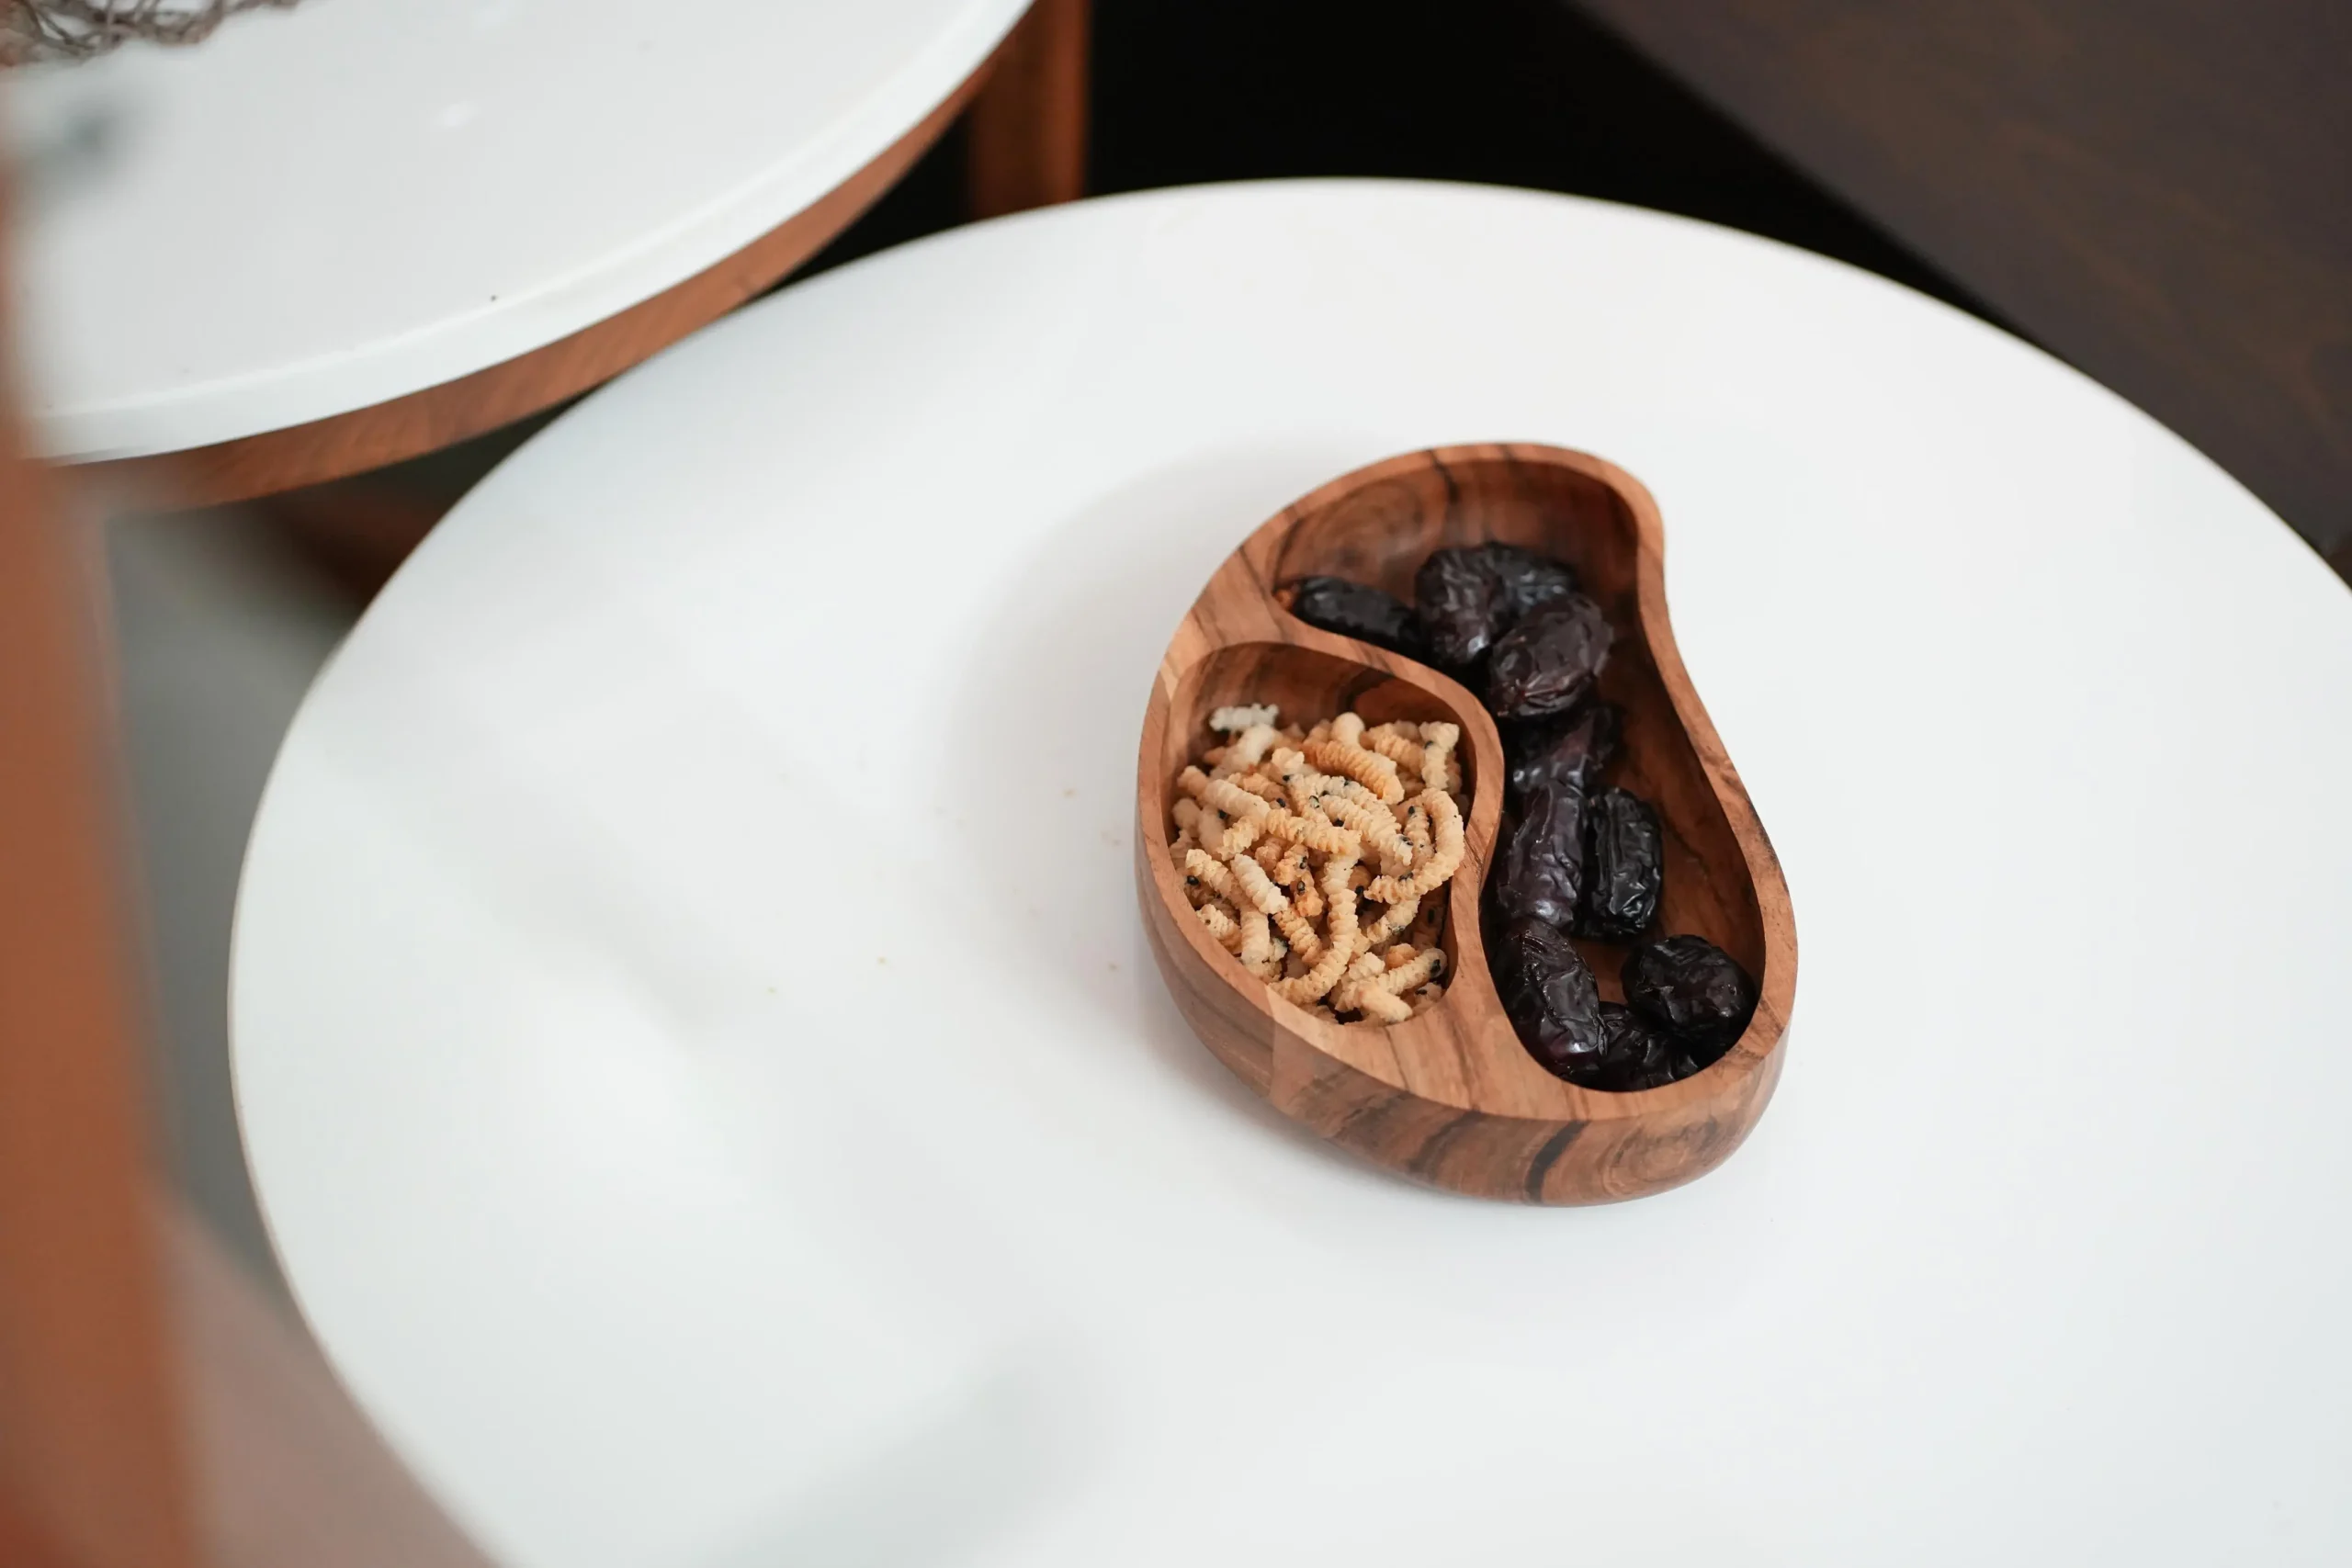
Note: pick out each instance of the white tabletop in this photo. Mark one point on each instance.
(705, 1078)
(316, 210)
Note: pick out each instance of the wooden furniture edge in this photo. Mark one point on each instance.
(1026, 133)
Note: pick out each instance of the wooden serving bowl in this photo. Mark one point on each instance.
(1452, 1097)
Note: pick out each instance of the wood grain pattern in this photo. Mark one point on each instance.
(1026, 137)
(441, 415)
(1450, 1097)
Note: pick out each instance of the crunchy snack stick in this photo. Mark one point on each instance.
(1374, 826)
(1340, 923)
(1379, 1005)
(1370, 769)
(1205, 870)
(1438, 769)
(1224, 798)
(1272, 837)
(1234, 721)
(1219, 920)
(1259, 951)
(1417, 828)
(1444, 858)
(1400, 918)
(1247, 751)
(1361, 992)
(1340, 936)
(1232, 837)
(1263, 788)
(1299, 931)
(1257, 886)
(1414, 972)
(1401, 743)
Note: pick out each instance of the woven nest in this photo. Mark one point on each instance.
(32, 31)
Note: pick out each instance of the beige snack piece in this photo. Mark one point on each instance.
(1370, 769)
(1272, 837)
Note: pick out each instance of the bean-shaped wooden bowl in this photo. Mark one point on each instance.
(1450, 1097)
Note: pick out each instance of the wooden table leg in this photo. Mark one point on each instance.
(155, 1411)
(1026, 131)
(92, 1465)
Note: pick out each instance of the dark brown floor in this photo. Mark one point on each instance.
(2159, 190)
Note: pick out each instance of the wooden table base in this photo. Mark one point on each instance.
(1028, 129)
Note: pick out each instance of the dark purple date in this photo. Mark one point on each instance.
(1469, 596)
(1624, 867)
(1693, 990)
(1573, 856)
(1526, 579)
(1463, 608)
(1563, 753)
(1638, 1055)
(1540, 874)
(1551, 998)
(1353, 610)
(1545, 664)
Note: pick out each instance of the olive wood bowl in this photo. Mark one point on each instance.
(1450, 1097)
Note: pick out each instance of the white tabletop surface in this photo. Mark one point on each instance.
(319, 210)
(704, 1076)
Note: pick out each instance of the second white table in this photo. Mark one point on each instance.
(317, 210)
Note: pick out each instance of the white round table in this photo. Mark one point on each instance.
(707, 1084)
(316, 211)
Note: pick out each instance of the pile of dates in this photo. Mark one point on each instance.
(1579, 858)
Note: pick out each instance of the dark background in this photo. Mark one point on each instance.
(2158, 191)
(1526, 93)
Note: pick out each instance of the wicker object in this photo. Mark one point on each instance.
(32, 31)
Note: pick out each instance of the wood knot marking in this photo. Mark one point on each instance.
(1548, 1156)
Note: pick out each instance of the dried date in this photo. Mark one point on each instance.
(1526, 578)
(1551, 998)
(1352, 609)
(1546, 664)
(1540, 874)
(1693, 990)
(1624, 867)
(1462, 607)
(1638, 1055)
(1470, 595)
(1563, 753)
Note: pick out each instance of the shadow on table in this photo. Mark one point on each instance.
(981, 1465)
